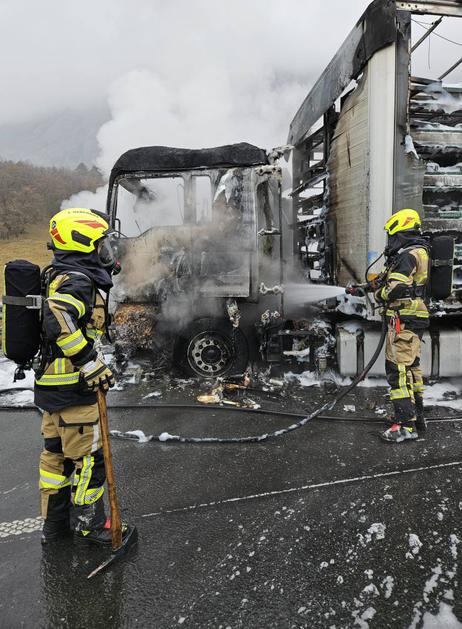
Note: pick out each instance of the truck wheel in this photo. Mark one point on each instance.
(212, 347)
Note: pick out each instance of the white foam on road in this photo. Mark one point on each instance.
(165, 436)
(20, 527)
(7, 369)
(437, 394)
(15, 398)
(414, 546)
(139, 434)
(388, 584)
(444, 619)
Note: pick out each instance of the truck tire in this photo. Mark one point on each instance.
(211, 347)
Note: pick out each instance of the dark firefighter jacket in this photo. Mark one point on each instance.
(73, 318)
(404, 289)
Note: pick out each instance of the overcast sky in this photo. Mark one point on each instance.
(180, 72)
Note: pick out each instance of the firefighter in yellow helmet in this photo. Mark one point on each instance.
(72, 472)
(403, 296)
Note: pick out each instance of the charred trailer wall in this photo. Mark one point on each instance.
(328, 252)
(342, 225)
(360, 167)
(348, 185)
(366, 166)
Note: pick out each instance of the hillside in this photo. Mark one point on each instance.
(32, 246)
(30, 195)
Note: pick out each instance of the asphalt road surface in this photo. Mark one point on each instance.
(324, 527)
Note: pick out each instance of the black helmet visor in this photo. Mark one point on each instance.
(106, 253)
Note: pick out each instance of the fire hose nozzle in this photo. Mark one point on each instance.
(355, 289)
(278, 289)
(361, 289)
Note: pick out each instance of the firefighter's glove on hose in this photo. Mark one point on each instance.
(97, 375)
(375, 284)
(357, 290)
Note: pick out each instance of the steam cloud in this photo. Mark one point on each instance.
(211, 73)
(205, 73)
(214, 73)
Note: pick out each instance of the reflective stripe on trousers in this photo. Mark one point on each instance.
(83, 495)
(49, 480)
(403, 389)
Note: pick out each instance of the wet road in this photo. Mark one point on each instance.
(316, 529)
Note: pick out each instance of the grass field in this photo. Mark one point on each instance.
(32, 246)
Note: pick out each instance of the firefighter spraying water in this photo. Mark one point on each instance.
(402, 290)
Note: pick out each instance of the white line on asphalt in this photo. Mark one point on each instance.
(19, 527)
(279, 492)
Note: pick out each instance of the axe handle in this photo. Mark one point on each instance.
(116, 523)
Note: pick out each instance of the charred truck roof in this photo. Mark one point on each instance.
(168, 159)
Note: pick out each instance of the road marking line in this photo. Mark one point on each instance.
(20, 527)
(279, 492)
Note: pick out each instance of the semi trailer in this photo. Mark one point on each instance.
(211, 245)
(372, 138)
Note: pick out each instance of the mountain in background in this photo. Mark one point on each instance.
(65, 139)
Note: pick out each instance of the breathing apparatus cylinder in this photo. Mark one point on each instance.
(440, 270)
(441, 267)
(21, 322)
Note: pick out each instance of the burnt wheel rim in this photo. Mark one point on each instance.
(210, 353)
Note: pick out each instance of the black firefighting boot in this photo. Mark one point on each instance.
(397, 433)
(421, 422)
(91, 525)
(56, 524)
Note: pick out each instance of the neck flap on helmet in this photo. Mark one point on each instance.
(402, 240)
(87, 263)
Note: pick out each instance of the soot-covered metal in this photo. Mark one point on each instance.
(203, 234)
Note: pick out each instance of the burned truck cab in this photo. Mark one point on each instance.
(201, 254)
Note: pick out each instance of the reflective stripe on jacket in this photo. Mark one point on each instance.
(410, 272)
(73, 318)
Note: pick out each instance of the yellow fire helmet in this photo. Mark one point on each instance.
(77, 229)
(403, 220)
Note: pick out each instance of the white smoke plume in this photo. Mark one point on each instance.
(205, 73)
(208, 108)
(209, 72)
(214, 73)
(64, 55)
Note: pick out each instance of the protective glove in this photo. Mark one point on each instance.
(357, 290)
(97, 375)
(374, 285)
(378, 297)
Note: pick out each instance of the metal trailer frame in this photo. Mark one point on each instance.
(383, 23)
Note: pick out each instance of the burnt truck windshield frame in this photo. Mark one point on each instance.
(156, 161)
(142, 203)
(212, 250)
